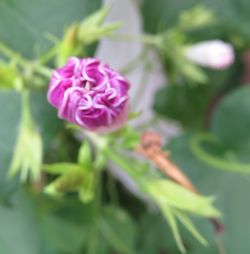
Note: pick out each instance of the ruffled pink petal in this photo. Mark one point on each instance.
(90, 94)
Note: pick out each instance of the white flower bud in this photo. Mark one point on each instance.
(214, 54)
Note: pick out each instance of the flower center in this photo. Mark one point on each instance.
(87, 86)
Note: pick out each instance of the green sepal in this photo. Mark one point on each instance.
(69, 46)
(68, 182)
(85, 155)
(92, 29)
(86, 192)
(166, 192)
(59, 168)
(28, 151)
(196, 18)
(9, 76)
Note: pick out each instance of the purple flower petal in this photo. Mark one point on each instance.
(90, 94)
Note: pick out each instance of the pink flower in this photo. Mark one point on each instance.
(90, 94)
(215, 54)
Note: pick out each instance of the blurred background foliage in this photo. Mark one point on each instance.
(33, 223)
(220, 107)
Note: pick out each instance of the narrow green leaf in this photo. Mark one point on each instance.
(92, 28)
(110, 224)
(100, 161)
(87, 190)
(9, 76)
(96, 18)
(186, 221)
(167, 192)
(62, 235)
(70, 181)
(215, 161)
(31, 19)
(59, 168)
(85, 155)
(169, 215)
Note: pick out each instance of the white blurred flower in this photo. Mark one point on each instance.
(214, 54)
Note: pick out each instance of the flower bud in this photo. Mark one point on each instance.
(214, 54)
(90, 94)
(27, 156)
(92, 28)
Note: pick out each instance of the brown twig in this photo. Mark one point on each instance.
(151, 147)
(246, 72)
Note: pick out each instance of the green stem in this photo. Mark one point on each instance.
(12, 54)
(112, 189)
(112, 155)
(45, 58)
(220, 245)
(214, 161)
(93, 240)
(45, 71)
(38, 67)
(112, 238)
(103, 145)
(99, 141)
(26, 112)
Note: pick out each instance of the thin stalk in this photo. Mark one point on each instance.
(45, 58)
(112, 189)
(8, 52)
(214, 161)
(26, 112)
(26, 64)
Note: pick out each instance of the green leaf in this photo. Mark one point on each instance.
(60, 168)
(87, 190)
(197, 17)
(35, 19)
(186, 103)
(231, 119)
(95, 19)
(131, 138)
(186, 221)
(100, 161)
(166, 192)
(226, 161)
(232, 14)
(28, 228)
(110, 225)
(10, 116)
(18, 232)
(231, 199)
(68, 182)
(74, 177)
(68, 47)
(155, 234)
(62, 235)
(9, 76)
(92, 28)
(45, 118)
(96, 242)
(169, 215)
(167, 195)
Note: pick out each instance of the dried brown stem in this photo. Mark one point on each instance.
(151, 147)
